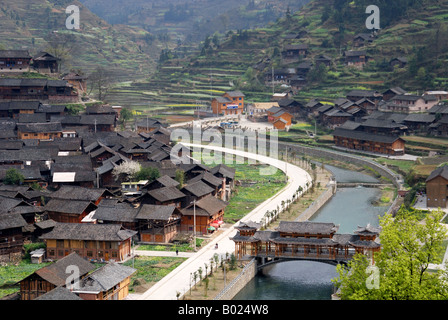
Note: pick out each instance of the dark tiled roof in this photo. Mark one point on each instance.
(122, 212)
(358, 135)
(206, 206)
(39, 127)
(18, 54)
(198, 188)
(68, 206)
(59, 293)
(440, 171)
(56, 274)
(88, 231)
(11, 220)
(166, 194)
(155, 212)
(79, 193)
(307, 227)
(105, 278)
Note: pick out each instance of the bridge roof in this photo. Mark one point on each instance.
(307, 227)
(306, 241)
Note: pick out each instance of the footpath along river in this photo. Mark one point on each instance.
(307, 280)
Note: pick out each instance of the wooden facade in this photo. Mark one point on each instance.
(363, 141)
(14, 60)
(90, 241)
(205, 214)
(437, 188)
(52, 276)
(11, 237)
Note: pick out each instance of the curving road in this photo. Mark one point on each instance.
(179, 279)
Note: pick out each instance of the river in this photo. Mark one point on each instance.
(307, 280)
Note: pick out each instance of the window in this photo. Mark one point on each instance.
(90, 253)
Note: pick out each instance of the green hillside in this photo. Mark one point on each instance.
(414, 29)
(127, 52)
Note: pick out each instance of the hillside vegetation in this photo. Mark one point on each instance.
(127, 52)
(414, 29)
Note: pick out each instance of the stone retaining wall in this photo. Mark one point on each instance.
(246, 275)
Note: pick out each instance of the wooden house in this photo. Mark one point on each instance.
(77, 80)
(157, 223)
(195, 191)
(53, 276)
(11, 236)
(363, 141)
(356, 58)
(95, 195)
(283, 116)
(362, 39)
(14, 60)
(110, 282)
(164, 196)
(207, 213)
(216, 183)
(227, 174)
(91, 241)
(57, 91)
(392, 92)
(70, 211)
(292, 52)
(113, 212)
(325, 60)
(437, 188)
(372, 95)
(13, 109)
(46, 63)
(334, 117)
(231, 102)
(39, 131)
(399, 62)
(147, 125)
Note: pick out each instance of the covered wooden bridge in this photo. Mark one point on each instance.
(304, 241)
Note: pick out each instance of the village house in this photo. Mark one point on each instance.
(57, 91)
(208, 213)
(157, 223)
(12, 109)
(392, 92)
(14, 60)
(356, 58)
(231, 102)
(109, 282)
(375, 143)
(11, 236)
(77, 80)
(412, 103)
(91, 241)
(440, 94)
(399, 62)
(46, 63)
(363, 39)
(68, 211)
(293, 52)
(437, 188)
(324, 59)
(52, 276)
(39, 131)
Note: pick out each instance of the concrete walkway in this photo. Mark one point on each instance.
(179, 279)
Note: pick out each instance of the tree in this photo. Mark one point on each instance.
(408, 247)
(125, 115)
(101, 82)
(147, 173)
(13, 176)
(126, 170)
(180, 177)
